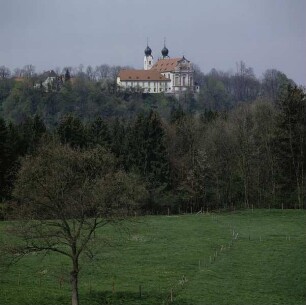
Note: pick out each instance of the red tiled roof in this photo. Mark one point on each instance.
(166, 65)
(141, 75)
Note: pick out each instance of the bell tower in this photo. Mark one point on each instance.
(148, 58)
(165, 51)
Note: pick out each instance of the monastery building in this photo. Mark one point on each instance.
(167, 75)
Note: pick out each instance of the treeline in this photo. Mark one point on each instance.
(93, 92)
(223, 90)
(253, 155)
(92, 73)
(85, 98)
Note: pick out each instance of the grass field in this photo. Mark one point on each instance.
(228, 258)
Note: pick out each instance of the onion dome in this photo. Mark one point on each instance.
(165, 51)
(148, 51)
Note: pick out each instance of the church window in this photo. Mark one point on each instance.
(177, 81)
(184, 80)
(149, 62)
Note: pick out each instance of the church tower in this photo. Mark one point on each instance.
(148, 58)
(165, 51)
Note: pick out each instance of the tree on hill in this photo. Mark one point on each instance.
(64, 196)
(4, 72)
(273, 83)
(67, 75)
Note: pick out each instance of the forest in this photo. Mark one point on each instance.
(240, 143)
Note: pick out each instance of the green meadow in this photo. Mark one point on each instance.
(243, 257)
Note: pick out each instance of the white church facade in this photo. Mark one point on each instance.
(167, 75)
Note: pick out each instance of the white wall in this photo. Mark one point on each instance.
(147, 86)
(146, 62)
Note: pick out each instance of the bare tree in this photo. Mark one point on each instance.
(28, 71)
(273, 82)
(17, 72)
(91, 74)
(57, 70)
(102, 71)
(241, 127)
(245, 85)
(65, 195)
(4, 72)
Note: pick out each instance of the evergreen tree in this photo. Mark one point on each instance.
(4, 157)
(156, 158)
(290, 146)
(149, 156)
(71, 131)
(31, 130)
(67, 75)
(99, 133)
(39, 128)
(15, 149)
(177, 114)
(118, 140)
(136, 149)
(146, 149)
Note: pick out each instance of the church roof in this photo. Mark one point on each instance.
(166, 64)
(141, 75)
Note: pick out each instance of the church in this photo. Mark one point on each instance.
(167, 75)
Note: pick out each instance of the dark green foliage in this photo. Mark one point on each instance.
(147, 149)
(72, 131)
(98, 133)
(141, 147)
(17, 141)
(118, 139)
(4, 158)
(30, 132)
(251, 155)
(213, 94)
(177, 114)
(67, 75)
(290, 146)
(209, 116)
(6, 85)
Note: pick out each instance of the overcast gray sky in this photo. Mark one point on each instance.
(211, 33)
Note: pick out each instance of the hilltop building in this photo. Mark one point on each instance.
(167, 75)
(50, 81)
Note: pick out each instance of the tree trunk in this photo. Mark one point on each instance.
(74, 282)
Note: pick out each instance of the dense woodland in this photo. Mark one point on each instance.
(240, 143)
